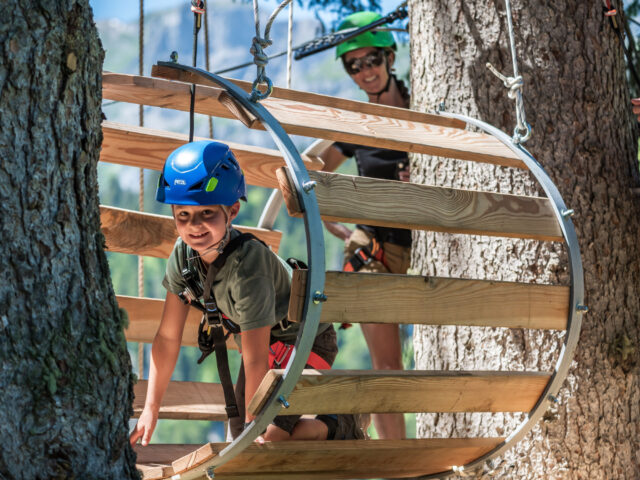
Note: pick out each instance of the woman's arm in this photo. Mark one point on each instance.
(333, 158)
(164, 354)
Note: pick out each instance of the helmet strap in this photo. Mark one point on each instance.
(223, 242)
(389, 76)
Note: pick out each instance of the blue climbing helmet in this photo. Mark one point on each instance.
(201, 173)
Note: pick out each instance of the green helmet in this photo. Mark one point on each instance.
(371, 38)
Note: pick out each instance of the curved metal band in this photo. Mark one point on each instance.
(576, 297)
(315, 279)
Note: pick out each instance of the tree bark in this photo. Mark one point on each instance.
(66, 377)
(577, 99)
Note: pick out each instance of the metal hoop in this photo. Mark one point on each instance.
(315, 278)
(576, 297)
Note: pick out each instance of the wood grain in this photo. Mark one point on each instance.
(144, 319)
(370, 391)
(412, 299)
(317, 99)
(147, 234)
(185, 401)
(147, 148)
(341, 459)
(319, 121)
(389, 203)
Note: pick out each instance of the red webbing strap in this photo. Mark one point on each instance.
(280, 354)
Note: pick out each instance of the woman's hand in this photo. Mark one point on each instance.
(145, 427)
(338, 230)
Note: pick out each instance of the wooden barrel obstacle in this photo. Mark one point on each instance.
(351, 297)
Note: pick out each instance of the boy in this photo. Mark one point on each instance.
(203, 183)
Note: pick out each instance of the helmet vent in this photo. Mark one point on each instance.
(195, 186)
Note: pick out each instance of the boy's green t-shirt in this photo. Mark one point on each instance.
(252, 288)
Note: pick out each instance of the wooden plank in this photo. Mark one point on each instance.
(144, 319)
(341, 459)
(318, 121)
(389, 203)
(412, 299)
(185, 401)
(146, 148)
(147, 234)
(317, 99)
(387, 391)
(154, 471)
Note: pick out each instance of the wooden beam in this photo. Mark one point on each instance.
(146, 148)
(385, 391)
(389, 203)
(147, 234)
(412, 299)
(185, 401)
(144, 319)
(318, 121)
(317, 99)
(340, 459)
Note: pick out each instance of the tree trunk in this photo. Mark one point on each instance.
(577, 100)
(66, 377)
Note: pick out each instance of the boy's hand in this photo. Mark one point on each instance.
(145, 427)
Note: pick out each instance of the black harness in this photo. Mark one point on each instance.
(211, 335)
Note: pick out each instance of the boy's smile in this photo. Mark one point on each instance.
(202, 227)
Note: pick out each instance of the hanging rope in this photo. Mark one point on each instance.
(197, 7)
(141, 182)
(257, 50)
(522, 131)
(290, 45)
(206, 55)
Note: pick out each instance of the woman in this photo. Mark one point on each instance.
(368, 59)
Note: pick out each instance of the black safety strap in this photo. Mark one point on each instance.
(211, 336)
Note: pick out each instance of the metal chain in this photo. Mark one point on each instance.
(523, 130)
(257, 50)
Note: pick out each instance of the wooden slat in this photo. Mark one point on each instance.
(147, 234)
(368, 391)
(185, 401)
(154, 471)
(144, 319)
(317, 99)
(412, 299)
(299, 118)
(154, 460)
(341, 459)
(146, 148)
(389, 203)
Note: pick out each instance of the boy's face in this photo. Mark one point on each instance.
(200, 227)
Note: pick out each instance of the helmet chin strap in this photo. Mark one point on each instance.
(388, 84)
(219, 246)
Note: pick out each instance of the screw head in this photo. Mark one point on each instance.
(568, 213)
(582, 308)
(308, 186)
(319, 297)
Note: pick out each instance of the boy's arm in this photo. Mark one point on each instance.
(164, 354)
(255, 357)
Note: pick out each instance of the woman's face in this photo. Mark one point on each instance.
(367, 67)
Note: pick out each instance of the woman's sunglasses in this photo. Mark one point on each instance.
(373, 59)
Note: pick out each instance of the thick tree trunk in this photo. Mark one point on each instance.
(577, 100)
(66, 378)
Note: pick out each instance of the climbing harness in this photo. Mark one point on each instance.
(522, 131)
(365, 255)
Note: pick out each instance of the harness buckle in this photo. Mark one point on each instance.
(212, 314)
(232, 411)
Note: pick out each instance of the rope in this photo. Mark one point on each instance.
(197, 7)
(141, 183)
(206, 55)
(522, 131)
(290, 45)
(258, 45)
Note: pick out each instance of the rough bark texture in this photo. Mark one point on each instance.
(577, 100)
(66, 376)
